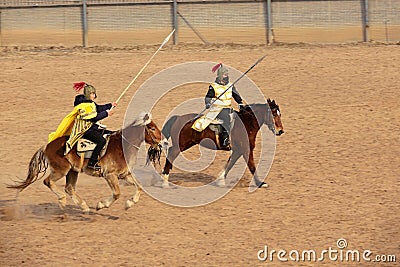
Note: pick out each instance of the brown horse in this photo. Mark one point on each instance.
(252, 117)
(125, 142)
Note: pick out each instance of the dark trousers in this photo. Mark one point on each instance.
(226, 126)
(95, 136)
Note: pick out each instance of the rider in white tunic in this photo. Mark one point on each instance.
(217, 92)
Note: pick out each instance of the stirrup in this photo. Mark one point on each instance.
(226, 142)
(95, 167)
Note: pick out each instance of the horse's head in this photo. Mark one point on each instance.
(276, 127)
(152, 136)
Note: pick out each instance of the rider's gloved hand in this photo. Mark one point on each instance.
(208, 105)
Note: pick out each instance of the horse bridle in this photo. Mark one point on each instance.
(271, 125)
(151, 135)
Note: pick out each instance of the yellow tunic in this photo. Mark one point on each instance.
(225, 98)
(224, 101)
(75, 124)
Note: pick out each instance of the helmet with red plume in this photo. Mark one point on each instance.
(221, 70)
(87, 89)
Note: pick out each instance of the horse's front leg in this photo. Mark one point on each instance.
(231, 161)
(72, 178)
(131, 179)
(252, 167)
(112, 180)
(173, 152)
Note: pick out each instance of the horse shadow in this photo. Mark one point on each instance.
(191, 178)
(201, 179)
(11, 210)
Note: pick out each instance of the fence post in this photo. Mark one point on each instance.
(365, 20)
(84, 24)
(268, 21)
(175, 21)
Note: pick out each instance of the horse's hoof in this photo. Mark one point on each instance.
(86, 211)
(263, 185)
(136, 198)
(165, 184)
(85, 208)
(220, 183)
(100, 206)
(128, 204)
(62, 202)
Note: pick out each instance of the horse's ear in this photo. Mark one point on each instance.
(268, 100)
(147, 119)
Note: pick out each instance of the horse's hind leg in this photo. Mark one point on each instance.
(72, 178)
(131, 179)
(112, 181)
(50, 182)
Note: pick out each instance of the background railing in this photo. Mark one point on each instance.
(134, 22)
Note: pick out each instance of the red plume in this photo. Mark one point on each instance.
(79, 86)
(214, 69)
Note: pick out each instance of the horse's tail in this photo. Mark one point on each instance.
(38, 165)
(166, 130)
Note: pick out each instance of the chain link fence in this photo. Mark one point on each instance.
(135, 22)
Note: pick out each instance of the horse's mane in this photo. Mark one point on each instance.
(143, 119)
(248, 109)
(138, 122)
(117, 132)
(249, 113)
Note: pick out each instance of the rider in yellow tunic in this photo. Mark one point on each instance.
(82, 114)
(81, 122)
(217, 92)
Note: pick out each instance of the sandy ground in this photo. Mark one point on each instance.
(335, 173)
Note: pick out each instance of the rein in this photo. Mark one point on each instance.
(153, 153)
(269, 122)
(135, 146)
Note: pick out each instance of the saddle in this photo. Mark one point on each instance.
(85, 147)
(220, 133)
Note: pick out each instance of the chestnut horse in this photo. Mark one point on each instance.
(125, 142)
(179, 128)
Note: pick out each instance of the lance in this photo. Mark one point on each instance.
(238, 79)
(147, 63)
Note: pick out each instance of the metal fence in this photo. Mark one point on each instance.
(135, 22)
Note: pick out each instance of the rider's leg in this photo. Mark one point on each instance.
(225, 116)
(96, 137)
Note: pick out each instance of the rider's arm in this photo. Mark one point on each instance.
(104, 107)
(210, 95)
(100, 115)
(236, 95)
